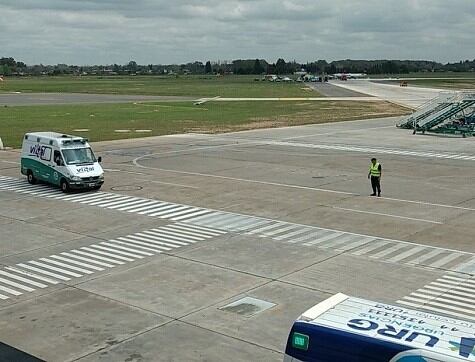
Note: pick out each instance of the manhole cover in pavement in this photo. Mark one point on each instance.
(247, 306)
(127, 188)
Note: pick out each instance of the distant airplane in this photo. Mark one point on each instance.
(345, 76)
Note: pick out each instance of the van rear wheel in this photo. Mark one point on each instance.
(64, 186)
(31, 178)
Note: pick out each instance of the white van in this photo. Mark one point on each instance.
(62, 160)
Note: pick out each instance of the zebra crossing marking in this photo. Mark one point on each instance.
(65, 266)
(452, 294)
(194, 218)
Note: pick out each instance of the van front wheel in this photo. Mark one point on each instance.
(64, 186)
(31, 178)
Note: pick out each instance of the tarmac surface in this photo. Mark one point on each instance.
(29, 99)
(185, 225)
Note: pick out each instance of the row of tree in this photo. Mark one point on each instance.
(9, 66)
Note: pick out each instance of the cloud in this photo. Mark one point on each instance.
(158, 31)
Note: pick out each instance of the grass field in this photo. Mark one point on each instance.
(191, 85)
(102, 120)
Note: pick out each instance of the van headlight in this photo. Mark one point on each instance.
(101, 177)
(75, 178)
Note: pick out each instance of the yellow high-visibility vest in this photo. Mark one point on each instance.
(374, 170)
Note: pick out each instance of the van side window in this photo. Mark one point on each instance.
(57, 157)
(46, 153)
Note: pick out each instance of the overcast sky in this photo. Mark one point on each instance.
(163, 31)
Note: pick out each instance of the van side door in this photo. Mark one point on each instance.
(58, 167)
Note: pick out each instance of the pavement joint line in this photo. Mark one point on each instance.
(388, 215)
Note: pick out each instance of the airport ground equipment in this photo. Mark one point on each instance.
(343, 328)
(438, 114)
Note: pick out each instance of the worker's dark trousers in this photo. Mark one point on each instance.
(376, 184)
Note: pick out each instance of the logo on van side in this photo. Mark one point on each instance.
(37, 150)
(85, 169)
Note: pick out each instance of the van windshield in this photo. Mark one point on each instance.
(77, 156)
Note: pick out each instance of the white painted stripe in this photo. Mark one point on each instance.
(178, 235)
(45, 272)
(112, 244)
(407, 253)
(429, 298)
(306, 237)
(213, 218)
(10, 291)
(191, 215)
(16, 285)
(204, 217)
(88, 197)
(280, 231)
(388, 251)
(58, 270)
(150, 243)
(169, 211)
(421, 259)
(274, 225)
(83, 196)
(388, 215)
(93, 267)
(100, 198)
(457, 283)
(323, 238)
(134, 208)
(201, 228)
(132, 244)
(193, 209)
(164, 206)
(119, 201)
(359, 242)
(203, 233)
(64, 265)
(170, 241)
(244, 223)
(439, 310)
(463, 280)
(456, 286)
(114, 252)
(127, 203)
(224, 222)
(24, 280)
(369, 248)
(445, 260)
(3, 297)
(167, 245)
(183, 232)
(104, 200)
(92, 255)
(445, 289)
(446, 295)
(89, 260)
(338, 241)
(467, 267)
(293, 233)
(32, 275)
(445, 306)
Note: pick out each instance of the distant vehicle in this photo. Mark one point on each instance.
(348, 329)
(287, 79)
(403, 83)
(62, 160)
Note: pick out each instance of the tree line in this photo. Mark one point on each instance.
(10, 67)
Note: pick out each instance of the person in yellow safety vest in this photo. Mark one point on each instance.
(375, 175)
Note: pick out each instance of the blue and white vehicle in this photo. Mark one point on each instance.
(347, 329)
(62, 160)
